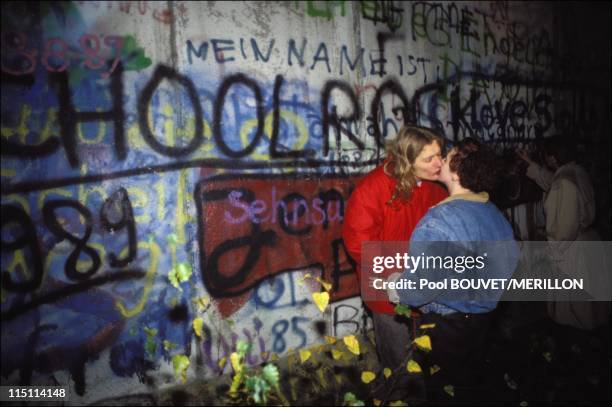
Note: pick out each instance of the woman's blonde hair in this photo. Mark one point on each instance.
(401, 154)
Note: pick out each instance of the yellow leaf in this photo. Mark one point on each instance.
(423, 343)
(547, 356)
(274, 357)
(413, 367)
(321, 299)
(367, 376)
(351, 343)
(304, 355)
(307, 275)
(427, 326)
(397, 403)
(434, 369)
(197, 326)
(202, 303)
(376, 402)
(387, 372)
(327, 286)
(222, 362)
(450, 390)
(264, 355)
(330, 339)
(180, 364)
(235, 359)
(336, 354)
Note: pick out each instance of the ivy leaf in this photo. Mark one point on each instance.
(413, 367)
(202, 303)
(404, 310)
(434, 369)
(330, 339)
(172, 277)
(169, 345)
(327, 286)
(351, 343)
(387, 372)
(367, 376)
(450, 390)
(423, 343)
(243, 347)
(180, 363)
(336, 354)
(150, 343)
(183, 271)
(150, 347)
(321, 299)
(271, 375)
(427, 326)
(351, 400)
(305, 355)
(349, 397)
(258, 389)
(197, 324)
(150, 331)
(236, 362)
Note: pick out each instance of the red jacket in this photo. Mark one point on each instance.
(368, 217)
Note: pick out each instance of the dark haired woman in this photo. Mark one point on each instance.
(464, 223)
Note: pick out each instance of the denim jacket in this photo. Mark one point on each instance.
(464, 219)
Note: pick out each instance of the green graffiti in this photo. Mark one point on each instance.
(326, 9)
(133, 56)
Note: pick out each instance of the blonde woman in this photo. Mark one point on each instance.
(386, 206)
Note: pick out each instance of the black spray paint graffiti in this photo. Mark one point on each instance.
(480, 124)
(115, 214)
(282, 223)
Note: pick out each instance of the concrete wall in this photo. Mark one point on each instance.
(222, 140)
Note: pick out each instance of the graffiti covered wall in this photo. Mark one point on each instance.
(172, 162)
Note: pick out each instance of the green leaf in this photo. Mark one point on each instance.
(173, 279)
(250, 384)
(402, 309)
(180, 363)
(169, 345)
(172, 238)
(243, 347)
(351, 400)
(349, 397)
(183, 271)
(150, 347)
(271, 375)
(150, 331)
